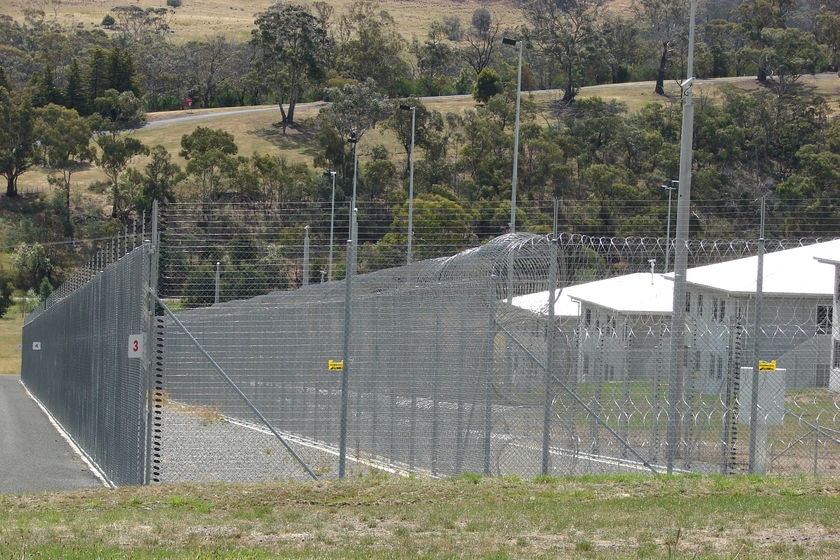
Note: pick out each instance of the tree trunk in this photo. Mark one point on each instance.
(660, 74)
(284, 119)
(11, 185)
(569, 91)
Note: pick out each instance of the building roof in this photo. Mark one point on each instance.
(798, 271)
(790, 272)
(538, 303)
(641, 292)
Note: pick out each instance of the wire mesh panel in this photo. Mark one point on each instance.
(455, 363)
(84, 359)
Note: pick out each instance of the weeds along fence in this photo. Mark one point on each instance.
(522, 353)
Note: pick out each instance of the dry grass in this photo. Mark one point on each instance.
(201, 19)
(467, 517)
(10, 340)
(197, 19)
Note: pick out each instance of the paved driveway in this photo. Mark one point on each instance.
(34, 457)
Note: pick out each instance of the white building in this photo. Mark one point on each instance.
(622, 324)
(624, 327)
(617, 326)
(796, 319)
(834, 374)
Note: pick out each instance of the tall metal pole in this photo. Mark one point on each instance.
(514, 174)
(758, 431)
(332, 227)
(413, 110)
(676, 389)
(218, 282)
(354, 139)
(670, 189)
(348, 317)
(345, 370)
(305, 280)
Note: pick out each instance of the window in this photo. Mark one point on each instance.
(835, 358)
(688, 302)
(824, 317)
(587, 317)
(715, 309)
(699, 305)
(722, 310)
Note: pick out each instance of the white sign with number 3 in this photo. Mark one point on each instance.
(135, 345)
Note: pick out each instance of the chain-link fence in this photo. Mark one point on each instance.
(83, 358)
(450, 367)
(518, 353)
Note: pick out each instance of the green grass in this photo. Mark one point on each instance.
(592, 517)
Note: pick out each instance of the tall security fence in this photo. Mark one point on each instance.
(519, 353)
(84, 359)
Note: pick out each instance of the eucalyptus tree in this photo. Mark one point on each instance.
(754, 17)
(436, 61)
(827, 31)
(17, 141)
(427, 129)
(206, 65)
(567, 32)
(294, 51)
(211, 158)
(355, 109)
(370, 46)
(116, 152)
(482, 38)
(138, 26)
(667, 23)
(64, 143)
(157, 181)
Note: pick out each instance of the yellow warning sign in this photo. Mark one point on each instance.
(767, 366)
(335, 365)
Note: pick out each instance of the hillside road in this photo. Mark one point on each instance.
(34, 457)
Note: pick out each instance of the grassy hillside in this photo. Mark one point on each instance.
(197, 19)
(467, 517)
(255, 131)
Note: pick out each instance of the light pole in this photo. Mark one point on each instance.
(331, 173)
(676, 385)
(413, 110)
(353, 138)
(670, 188)
(517, 42)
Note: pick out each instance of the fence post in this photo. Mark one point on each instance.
(758, 430)
(345, 371)
(152, 382)
(488, 376)
(549, 353)
(305, 281)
